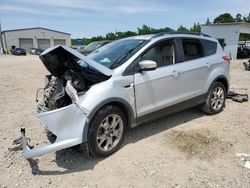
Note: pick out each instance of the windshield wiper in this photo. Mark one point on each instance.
(119, 60)
(123, 56)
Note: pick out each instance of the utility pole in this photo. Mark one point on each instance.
(1, 38)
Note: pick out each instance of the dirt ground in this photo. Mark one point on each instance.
(187, 149)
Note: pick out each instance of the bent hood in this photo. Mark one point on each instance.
(59, 59)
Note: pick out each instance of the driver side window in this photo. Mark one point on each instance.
(162, 53)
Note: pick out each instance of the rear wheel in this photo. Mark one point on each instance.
(215, 100)
(107, 131)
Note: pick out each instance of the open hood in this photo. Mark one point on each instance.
(59, 59)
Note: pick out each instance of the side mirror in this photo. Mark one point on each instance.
(147, 65)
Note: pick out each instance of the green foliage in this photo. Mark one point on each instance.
(182, 29)
(247, 18)
(87, 41)
(238, 18)
(73, 41)
(196, 28)
(224, 18)
(145, 30)
(207, 22)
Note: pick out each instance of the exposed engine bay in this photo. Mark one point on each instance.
(55, 94)
(72, 74)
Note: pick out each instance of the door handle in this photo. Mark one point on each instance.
(208, 65)
(175, 73)
(128, 86)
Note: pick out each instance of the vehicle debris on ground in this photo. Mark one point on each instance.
(244, 160)
(237, 97)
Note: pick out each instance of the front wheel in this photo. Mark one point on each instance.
(107, 131)
(215, 100)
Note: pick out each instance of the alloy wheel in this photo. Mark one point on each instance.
(109, 132)
(217, 98)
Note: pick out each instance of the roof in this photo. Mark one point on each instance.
(225, 24)
(141, 37)
(172, 33)
(35, 28)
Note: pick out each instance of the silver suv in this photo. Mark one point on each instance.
(93, 100)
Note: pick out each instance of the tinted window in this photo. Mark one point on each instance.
(210, 47)
(192, 49)
(162, 53)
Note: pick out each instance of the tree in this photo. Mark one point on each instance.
(207, 22)
(238, 18)
(97, 38)
(224, 18)
(144, 30)
(165, 29)
(110, 36)
(196, 28)
(73, 41)
(247, 19)
(182, 29)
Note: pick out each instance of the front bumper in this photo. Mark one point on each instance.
(66, 123)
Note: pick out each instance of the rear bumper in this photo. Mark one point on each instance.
(66, 123)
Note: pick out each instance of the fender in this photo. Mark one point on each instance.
(217, 74)
(220, 77)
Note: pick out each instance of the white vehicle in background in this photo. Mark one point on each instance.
(93, 100)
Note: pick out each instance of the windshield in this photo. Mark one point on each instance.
(93, 46)
(116, 53)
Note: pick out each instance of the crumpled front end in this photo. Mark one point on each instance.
(72, 74)
(66, 123)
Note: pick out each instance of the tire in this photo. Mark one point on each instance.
(103, 137)
(215, 101)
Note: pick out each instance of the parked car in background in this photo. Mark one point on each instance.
(78, 48)
(243, 51)
(38, 51)
(32, 50)
(93, 46)
(18, 51)
(93, 100)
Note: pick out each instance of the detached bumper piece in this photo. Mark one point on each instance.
(29, 152)
(237, 97)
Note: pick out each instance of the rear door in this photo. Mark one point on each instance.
(195, 68)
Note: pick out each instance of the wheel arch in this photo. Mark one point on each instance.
(223, 80)
(121, 103)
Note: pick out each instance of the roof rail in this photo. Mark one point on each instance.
(176, 32)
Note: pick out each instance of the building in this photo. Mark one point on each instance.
(228, 35)
(37, 37)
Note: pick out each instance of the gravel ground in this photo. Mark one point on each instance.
(187, 149)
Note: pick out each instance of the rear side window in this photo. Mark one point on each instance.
(210, 47)
(192, 49)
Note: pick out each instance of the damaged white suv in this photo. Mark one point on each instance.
(94, 100)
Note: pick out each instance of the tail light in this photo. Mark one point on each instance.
(226, 58)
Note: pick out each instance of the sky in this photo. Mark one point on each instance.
(88, 18)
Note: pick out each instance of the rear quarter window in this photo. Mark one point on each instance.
(210, 47)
